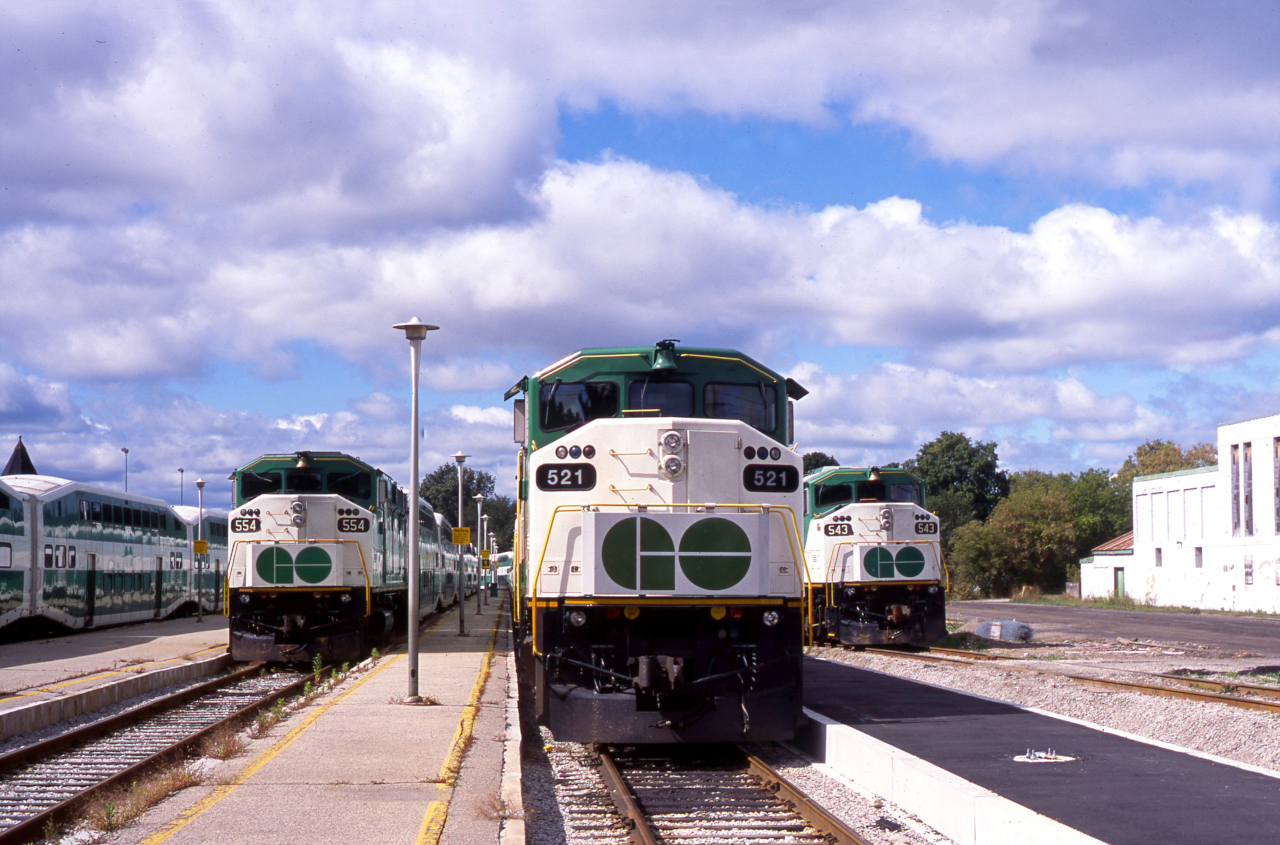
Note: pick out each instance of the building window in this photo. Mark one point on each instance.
(1248, 489)
(1235, 490)
(1248, 571)
(1159, 557)
(1199, 557)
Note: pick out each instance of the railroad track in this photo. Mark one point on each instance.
(1263, 698)
(713, 795)
(49, 780)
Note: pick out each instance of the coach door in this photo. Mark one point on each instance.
(159, 584)
(90, 588)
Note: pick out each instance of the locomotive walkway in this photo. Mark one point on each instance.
(949, 757)
(360, 766)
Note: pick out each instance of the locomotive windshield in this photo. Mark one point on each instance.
(254, 484)
(666, 398)
(304, 481)
(832, 494)
(352, 485)
(569, 405)
(754, 404)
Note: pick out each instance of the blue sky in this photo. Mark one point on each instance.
(1052, 223)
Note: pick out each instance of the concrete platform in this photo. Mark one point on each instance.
(947, 756)
(56, 666)
(362, 767)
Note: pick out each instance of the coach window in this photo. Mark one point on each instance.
(565, 406)
(84, 510)
(4, 502)
(97, 511)
(71, 557)
(304, 481)
(832, 494)
(254, 484)
(60, 557)
(666, 398)
(48, 557)
(754, 404)
(117, 515)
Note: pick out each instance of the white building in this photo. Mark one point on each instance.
(1207, 537)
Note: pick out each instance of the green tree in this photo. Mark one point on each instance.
(1028, 540)
(962, 479)
(1098, 502)
(1157, 456)
(817, 460)
(440, 489)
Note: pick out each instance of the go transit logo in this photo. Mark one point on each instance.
(880, 562)
(276, 566)
(714, 554)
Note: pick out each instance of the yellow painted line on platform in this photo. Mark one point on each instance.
(219, 792)
(101, 675)
(437, 814)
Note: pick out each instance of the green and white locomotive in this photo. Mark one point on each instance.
(83, 556)
(874, 557)
(319, 557)
(659, 577)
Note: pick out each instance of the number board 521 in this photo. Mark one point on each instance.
(771, 478)
(553, 477)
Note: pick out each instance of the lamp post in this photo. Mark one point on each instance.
(479, 545)
(125, 449)
(197, 561)
(485, 545)
(415, 331)
(182, 488)
(462, 521)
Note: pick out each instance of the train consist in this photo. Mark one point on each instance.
(319, 558)
(874, 557)
(83, 556)
(659, 585)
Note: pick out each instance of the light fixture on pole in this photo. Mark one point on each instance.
(479, 544)
(197, 557)
(415, 331)
(182, 488)
(462, 521)
(485, 546)
(125, 449)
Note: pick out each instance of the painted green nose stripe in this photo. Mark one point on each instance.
(313, 565)
(879, 562)
(715, 554)
(275, 566)
(910, 562)
(650, 547)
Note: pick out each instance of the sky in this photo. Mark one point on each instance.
(1054, 225)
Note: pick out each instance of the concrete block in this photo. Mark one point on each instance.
(1008, 630)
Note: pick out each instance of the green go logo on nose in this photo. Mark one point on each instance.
(642, 544)
(276, 566)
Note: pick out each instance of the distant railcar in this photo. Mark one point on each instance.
(659, 585)
(874, 557)
(83, 556)
(319, 558)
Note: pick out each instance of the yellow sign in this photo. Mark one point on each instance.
(484, 564)
(484, 554)
(461, 536)
(202, 547)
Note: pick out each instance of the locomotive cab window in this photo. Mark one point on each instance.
(569, 405)
(871, 491)
(905, 493)
(753, 404)
(667, 398)
(254, 484)
(304, 481)
(829, 495)
(351, 485)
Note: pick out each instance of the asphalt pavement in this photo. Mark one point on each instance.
(1232, 634)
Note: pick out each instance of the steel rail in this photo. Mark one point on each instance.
(766, 777)
(1020, 664)
(31, 828)
(813, 813)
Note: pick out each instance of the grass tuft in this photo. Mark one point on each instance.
(224, 743)
(119, 807)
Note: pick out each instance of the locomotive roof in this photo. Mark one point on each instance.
(824, 474)
(638, 359)
(311, 455)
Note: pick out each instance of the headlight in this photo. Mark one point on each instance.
(297, 519)
(562, 452)
(770, 618)
(672, 441)
(775, 453)
(346, 598)
(244, 598)
(297, 507)
(577, 618)
(672, 465)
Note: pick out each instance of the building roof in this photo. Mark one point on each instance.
(19, 462)
(1176, 472)
(1118, 545)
